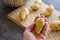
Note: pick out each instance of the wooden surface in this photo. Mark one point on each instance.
(53, 35)
(14, 16)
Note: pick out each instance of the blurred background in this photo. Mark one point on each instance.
(56, 3)
(10, 31)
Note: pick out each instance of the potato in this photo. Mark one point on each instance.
(36, 5)
(24, 12)
(55, 25)
(39, 25)
(45, 13)
(48, 11)
(38, 2)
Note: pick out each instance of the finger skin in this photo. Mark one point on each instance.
(42, 16)
(31, 27)
(45, 29)
(29, 36)
(42, 36)
(46, 20)
(39, 39)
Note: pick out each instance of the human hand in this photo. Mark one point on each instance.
(29, 33)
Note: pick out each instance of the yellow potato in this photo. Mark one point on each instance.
(39, 25)
(38, 2)
(55, 25)
(36, 5)
(45, 13)
(48, 11)
(23, 13)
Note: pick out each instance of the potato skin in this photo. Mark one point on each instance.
(36, 5)
(48, 11)
(24, 12)
(39, 25)
(55, 25)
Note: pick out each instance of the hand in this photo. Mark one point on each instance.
(29, 33)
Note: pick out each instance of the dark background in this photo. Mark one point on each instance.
(8, 29)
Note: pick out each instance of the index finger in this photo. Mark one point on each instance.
(45, 29)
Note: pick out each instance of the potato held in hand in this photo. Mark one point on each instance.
(48, 11)
(39, 25)
(24, 12)
(55, 25)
